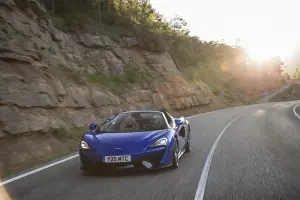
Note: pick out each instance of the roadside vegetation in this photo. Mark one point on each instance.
(116, 83)
(225, 69)
(292, 93)
(296, 74)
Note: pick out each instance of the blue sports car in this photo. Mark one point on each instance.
(136, 140)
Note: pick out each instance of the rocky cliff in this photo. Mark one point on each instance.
(51, 80)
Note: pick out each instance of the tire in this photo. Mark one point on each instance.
(175, 156)
(188, 144)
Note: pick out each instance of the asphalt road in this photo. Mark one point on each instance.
(257, 157)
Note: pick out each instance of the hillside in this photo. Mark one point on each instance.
(291, 93)
(61, 72)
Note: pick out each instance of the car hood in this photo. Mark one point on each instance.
(134, 142)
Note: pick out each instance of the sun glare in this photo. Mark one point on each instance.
(263, 50)
(4, 194)
(259, 54)
(266, 28)
(263, 42)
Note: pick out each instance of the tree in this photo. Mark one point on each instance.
(237, 43)
(144, 4)
(50, 4)
(286, 76)
(273, 67)
(179, 25)
(53, 11)
(296, 74)
(98, 2)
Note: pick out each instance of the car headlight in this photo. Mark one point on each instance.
(160, 142)
(84, 145)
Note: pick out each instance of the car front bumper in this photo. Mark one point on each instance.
(149, 159)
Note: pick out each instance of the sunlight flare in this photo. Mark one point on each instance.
(3, 194)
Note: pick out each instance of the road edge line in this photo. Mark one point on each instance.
(37, 170)
(204, 174)
(295, 113)
(211, 112)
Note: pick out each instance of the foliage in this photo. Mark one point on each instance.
(296, 74)
(286, 76)
(216, 91)
(75, 76)
(129, 76)
(81, 13)
(67, 134)
(178, 25)
(51, 50)
(152, 41)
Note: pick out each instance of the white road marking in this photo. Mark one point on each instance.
(224, 109)
(205, 113)
(295, 113)
(37, 170)
(202, 182)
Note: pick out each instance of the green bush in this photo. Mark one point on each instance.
(60, 23)
(109, 81)
(116, 82)
(187, 52)
(133, 76)
(216, 91)
(51, 50)
(73, 133)
(71, 74)
(151, 41)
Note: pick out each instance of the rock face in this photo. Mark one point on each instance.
(37, 60)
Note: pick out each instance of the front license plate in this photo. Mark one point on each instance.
(117, 159)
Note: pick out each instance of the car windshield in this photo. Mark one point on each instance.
(135, 122)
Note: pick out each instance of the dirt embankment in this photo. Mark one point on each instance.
(290, 93)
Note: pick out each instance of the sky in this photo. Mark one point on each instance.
(265, 27)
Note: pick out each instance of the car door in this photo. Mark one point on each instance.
(181, 133)
(180, 130)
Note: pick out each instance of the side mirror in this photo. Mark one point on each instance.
(93, 126)
(179, 121)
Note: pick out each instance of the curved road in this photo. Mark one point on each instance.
(257, 156)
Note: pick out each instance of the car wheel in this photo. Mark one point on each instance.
(175, 156)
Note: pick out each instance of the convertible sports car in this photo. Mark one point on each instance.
(136, 140)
